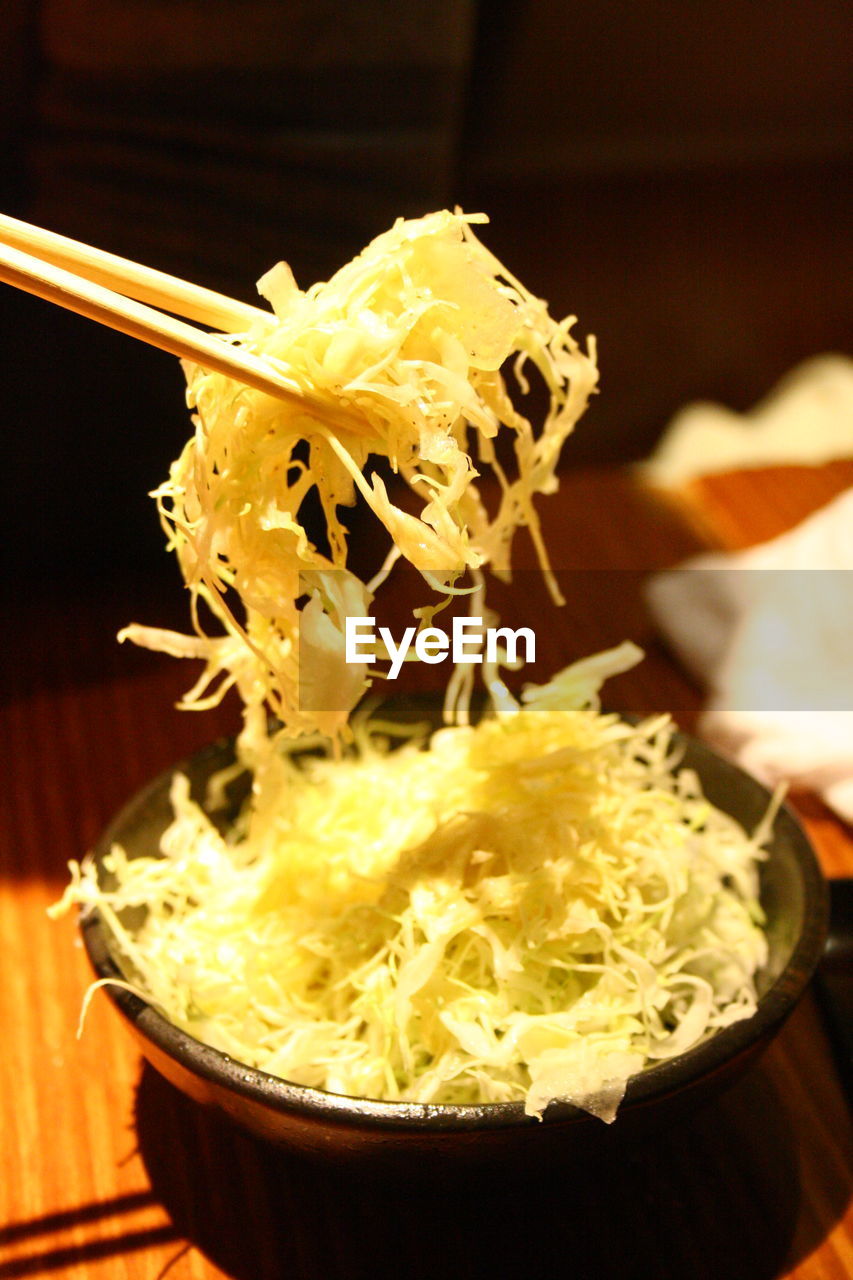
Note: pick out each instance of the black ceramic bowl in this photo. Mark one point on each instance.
(793, 895)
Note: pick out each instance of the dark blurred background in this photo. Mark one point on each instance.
(676, 174)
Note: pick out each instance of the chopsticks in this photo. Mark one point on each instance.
(156, 288)
(126, 295)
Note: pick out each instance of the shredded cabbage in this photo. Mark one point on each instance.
(535, 907)
(407, 344)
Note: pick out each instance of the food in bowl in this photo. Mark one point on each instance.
(438, 1138)
(530, 909)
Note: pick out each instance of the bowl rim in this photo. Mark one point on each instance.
(276, 1094)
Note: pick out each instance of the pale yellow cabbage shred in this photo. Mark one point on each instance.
(534, 908)
(408, 345)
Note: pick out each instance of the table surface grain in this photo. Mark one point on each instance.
(106, 1171)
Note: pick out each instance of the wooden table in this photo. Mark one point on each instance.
(109, 1172)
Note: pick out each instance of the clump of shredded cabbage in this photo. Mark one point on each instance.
(535, 907)
(408, 345)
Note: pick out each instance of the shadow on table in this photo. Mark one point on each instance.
(719, 1197)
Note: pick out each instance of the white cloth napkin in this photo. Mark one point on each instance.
(770, 632)
(807, 418)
